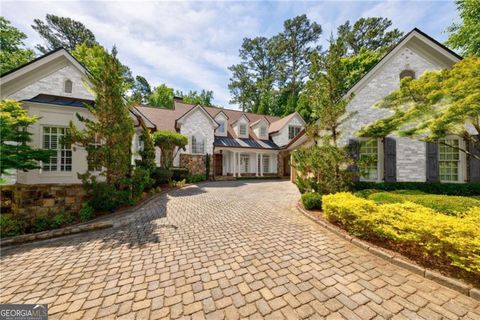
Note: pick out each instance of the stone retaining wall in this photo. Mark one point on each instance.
(195, 163)
(27, 201)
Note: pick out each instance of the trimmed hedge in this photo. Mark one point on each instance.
(438, 235)
(179, 174)
(451, 189)
(161, 176)
(312, 200)
(451, 205)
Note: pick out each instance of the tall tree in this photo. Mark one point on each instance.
(12, 53)
(15, 153)
(295, 44)
(466, 34)
(252, 81)
(113, 125)
(141, 90)
(204, 98)
(62, 32)
(437, 104)
(162, 97)
(369, 33)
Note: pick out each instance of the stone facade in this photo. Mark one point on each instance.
(200, 125)
(411, 154)
(196, 163)
(27, 201)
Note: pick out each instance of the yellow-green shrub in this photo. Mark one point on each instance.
(455, 237)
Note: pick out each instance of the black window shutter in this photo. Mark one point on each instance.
(473, 163)
(354, 152)
(433, 174)
(390, 160)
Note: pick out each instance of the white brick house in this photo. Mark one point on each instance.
(403, 159)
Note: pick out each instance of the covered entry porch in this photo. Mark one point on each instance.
(238, 162)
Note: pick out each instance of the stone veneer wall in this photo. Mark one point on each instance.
(195, 163)
(27, 201)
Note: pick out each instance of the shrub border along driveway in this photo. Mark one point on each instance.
(396, 259)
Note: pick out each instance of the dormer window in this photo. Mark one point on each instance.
(221, 126)
(293, 131)
(242, 129)
(263, 132)
(68, 86)
(407, 73)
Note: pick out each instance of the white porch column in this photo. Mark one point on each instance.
(261, 164)
(256, 164)
(234, 168)
(239, 165)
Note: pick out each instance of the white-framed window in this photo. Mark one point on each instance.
(221, 127)
(369, 154)
(56, 138)
(293, 131)
(198, 144)
(244, 163)
(93, 165)
(242, 129)
(266, 163)
(68, 86)
(263, 132)
(449, 160)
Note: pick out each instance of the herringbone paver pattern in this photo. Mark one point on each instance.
(220, 250)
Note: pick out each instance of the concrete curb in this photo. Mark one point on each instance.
(398, 259)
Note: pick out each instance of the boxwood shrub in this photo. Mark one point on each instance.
(453, 189)
(179, 174)
(452, 238)
(312, 200)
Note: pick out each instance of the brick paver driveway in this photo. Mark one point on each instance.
(220, 250)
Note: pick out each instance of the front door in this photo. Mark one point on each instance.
(218, 164)
(286, 166)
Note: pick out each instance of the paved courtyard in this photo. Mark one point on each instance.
(220, 250)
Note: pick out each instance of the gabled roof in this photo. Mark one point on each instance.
(421, 38)
(189, 112)
(279, 124)
(242, 116)
(253, 124)
(221, 113)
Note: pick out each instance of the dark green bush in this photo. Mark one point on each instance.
(140, 182)
(195, 178)
(60, 220)
(102, 196)
(162, 176)
(312, 200)
(86, 213)
(9, 226)
(179, 174)
(41, 223)
(452, 189)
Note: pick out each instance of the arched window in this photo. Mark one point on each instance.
(68, 86)
(407, 73)
(198, 144)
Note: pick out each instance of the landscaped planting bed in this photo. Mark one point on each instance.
(450, 243)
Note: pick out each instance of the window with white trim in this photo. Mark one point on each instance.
(221, 127)
(449, 160)
(369, 154)
(244, 163)
(198, 145)
(263, 132)
(68, 86)
(242, 129)
(93, 164)
(266, 163)
(293, 131)
(56, 138)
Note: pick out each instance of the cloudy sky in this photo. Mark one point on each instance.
(189, 45)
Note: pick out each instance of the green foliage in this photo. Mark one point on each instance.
(113, 125)
(203, 98)
(312, 200)
(147, 154)
(437, 235)
(162, 176)
(179, 174)
(302, 184)
(358, 65)
(323, 169)
(140, 182)
(450, 205)
(60, 220)
(168, 141)
(369, 34)
(10, 226)
(161, 97)
(86, 213)
(41, 223)
(101, 196)
(177, 184)
(13, 53)
(15, 153)
(194, 178)
(62, 32)
(141, 90)
(466, 35)
(435, 105)
(453, 189)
